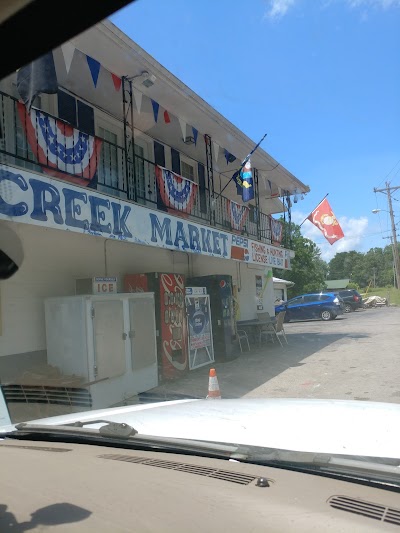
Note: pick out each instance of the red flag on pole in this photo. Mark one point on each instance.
(325, 220)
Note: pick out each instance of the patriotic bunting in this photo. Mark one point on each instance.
(237, 214)
(216, 151)
(176, 192)
(60, 146)
(137, 95)
(276, 231)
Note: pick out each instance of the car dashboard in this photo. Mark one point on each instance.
(80, 487)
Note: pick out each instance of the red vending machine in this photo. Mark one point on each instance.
(172, 343)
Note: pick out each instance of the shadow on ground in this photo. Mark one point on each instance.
(250, 370)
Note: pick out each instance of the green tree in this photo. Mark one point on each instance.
(308, 270)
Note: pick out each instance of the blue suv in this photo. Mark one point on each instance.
(325, 306)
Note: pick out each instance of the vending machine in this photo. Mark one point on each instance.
(169, 292)
(198, 312)
(220, 290)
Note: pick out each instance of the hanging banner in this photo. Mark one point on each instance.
(259, 293)
(276, 231)
(61, 147)
(176, 192)
(94, 67)
(238, 214)
(28, 197)
(201, 350)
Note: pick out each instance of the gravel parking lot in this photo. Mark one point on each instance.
(354, 357)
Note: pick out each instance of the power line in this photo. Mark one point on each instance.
(388, 174)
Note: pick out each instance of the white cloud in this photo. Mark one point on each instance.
(354, 230)
(278, 8)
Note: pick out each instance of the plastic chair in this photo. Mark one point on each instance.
(279, 329)
(267, 329)
(241, 334)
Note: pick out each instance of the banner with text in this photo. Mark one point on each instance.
(31, 198)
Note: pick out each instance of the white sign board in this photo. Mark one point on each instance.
(104, 285)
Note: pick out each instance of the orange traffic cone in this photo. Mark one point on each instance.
(213, 388)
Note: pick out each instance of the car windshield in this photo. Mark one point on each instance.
(206, 195)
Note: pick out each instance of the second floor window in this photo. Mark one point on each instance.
(108, 164)
(187, 171)
(75, 112)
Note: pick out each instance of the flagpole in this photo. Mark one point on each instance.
(314, 209)
(242, 164)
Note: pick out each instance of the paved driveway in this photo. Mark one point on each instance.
(356, 356)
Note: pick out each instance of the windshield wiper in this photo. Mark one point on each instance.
(115, 432)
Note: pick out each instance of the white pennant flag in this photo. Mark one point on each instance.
(138, 99)
(183, 128)
(216, 150)
(68, 50)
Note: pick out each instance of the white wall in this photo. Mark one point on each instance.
(244, 277)
(53, 260)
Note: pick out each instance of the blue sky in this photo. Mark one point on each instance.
(322, 77)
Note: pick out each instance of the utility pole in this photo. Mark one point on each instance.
(388, 191)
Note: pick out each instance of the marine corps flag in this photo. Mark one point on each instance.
(325, 220)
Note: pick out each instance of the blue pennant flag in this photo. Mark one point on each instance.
(230, 158)
(195, 134)
(156, 107)
(94, 67)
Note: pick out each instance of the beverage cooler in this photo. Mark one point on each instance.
(169, 292)
(108, 341)
(220, 290)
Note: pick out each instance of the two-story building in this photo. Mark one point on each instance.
(85, 183)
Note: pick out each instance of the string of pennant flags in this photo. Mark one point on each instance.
(94, 66)
(41, 77)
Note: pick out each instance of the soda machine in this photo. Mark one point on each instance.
(169, 292)
(220, 289)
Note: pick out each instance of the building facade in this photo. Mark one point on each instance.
(125, 170)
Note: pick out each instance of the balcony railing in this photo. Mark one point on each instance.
(41, 142)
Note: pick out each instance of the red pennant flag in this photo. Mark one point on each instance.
(325, 220)
(167, 120)
(117, 81)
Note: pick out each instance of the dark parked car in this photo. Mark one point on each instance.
(325, 306)
(352, 299)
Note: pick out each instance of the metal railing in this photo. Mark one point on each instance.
(41, 142)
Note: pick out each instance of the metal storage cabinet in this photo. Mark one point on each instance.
(109, 341)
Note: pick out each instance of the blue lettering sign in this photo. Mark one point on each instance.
(224, 238)
(41, 205)
(180, 236)
(120, 227)
(205, 237)
(73, 209)
(194, 238)
(16, 210)
(98, 215)
(164, 231)
(216, 248)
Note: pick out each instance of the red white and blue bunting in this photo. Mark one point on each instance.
(276, 231)
(60, 146)
(237, 215)
(176, 192)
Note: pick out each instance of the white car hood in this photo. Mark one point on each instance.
(320, 426)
